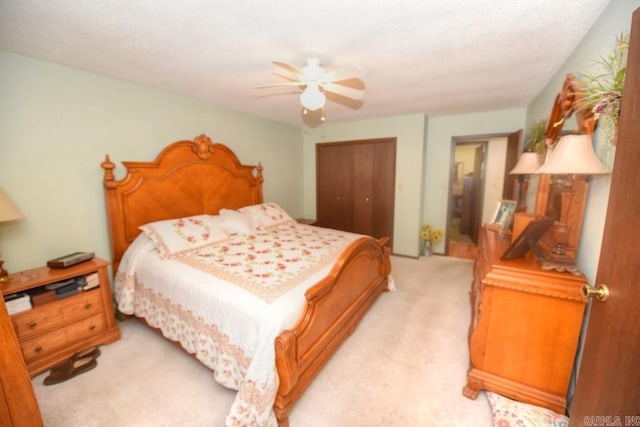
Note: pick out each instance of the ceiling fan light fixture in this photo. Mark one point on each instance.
(315, 83)
(312, 99)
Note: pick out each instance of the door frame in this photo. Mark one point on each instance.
(471, 139)
(455, 143)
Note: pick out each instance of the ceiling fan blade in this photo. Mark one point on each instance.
(346, 73)
(281, 92)
(288, 77)
(343, 90)
(293, 71)
(278, 84)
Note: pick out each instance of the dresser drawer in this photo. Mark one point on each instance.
(81, 305)
(52, 315)
(48, 343)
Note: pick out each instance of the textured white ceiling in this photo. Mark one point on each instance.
(421, 56)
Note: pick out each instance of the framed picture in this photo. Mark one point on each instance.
(529, 236)
(504, 213)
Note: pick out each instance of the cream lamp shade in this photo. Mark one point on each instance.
(528, 163)
(8, 210)
(573, 155)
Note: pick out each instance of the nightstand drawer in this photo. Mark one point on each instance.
(81, 305)
(85, 328)
(63, 337)
(37, 319)
(52, 315)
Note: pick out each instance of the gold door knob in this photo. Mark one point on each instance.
(600, 292)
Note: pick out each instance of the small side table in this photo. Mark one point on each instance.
(53, 331)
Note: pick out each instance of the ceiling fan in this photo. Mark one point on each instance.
(315, 82)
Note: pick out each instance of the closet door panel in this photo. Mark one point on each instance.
(383, 189)
(363, 212)
(334, 186)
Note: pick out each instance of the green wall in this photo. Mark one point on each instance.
(438, 154)
(57, 124)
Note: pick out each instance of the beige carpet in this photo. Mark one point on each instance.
(404, 365)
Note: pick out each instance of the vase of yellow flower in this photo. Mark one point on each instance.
(429, 237)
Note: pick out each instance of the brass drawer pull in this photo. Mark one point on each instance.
(38, 349)
(33, 325)
(88, 306)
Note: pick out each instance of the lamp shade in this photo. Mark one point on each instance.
(8, 210)
(573, 155)
(528, 162)
(312, 99)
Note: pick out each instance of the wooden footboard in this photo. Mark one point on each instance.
(333, 309)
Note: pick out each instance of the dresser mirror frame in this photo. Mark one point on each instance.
(564, 197)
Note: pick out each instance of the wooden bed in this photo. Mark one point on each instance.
(201, 177)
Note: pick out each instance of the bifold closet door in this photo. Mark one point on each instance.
(356, 186)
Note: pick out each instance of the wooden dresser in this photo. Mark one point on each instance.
(525, 325)
(53, 331)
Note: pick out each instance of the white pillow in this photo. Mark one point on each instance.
(234, 222)
(174, 236)
(266, 215)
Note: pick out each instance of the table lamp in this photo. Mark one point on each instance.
(8, 212)
(573, 155)
(528, 163)
(571, 163)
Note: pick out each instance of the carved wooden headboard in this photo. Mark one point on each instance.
(186, 178)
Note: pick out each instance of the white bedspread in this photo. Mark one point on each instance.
(224, 305)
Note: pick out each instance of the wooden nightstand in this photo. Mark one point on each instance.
(53, 331)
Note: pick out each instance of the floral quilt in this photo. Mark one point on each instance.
(227, 302)
(270, 261)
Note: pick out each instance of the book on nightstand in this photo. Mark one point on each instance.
(41, 295)
(89, 281)
(17, 302)
(67, 290)
(60, 284)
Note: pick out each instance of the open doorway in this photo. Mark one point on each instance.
(478, 179)
(466, 191)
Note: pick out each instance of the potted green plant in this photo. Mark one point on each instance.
(535, 143)
(602, 88)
